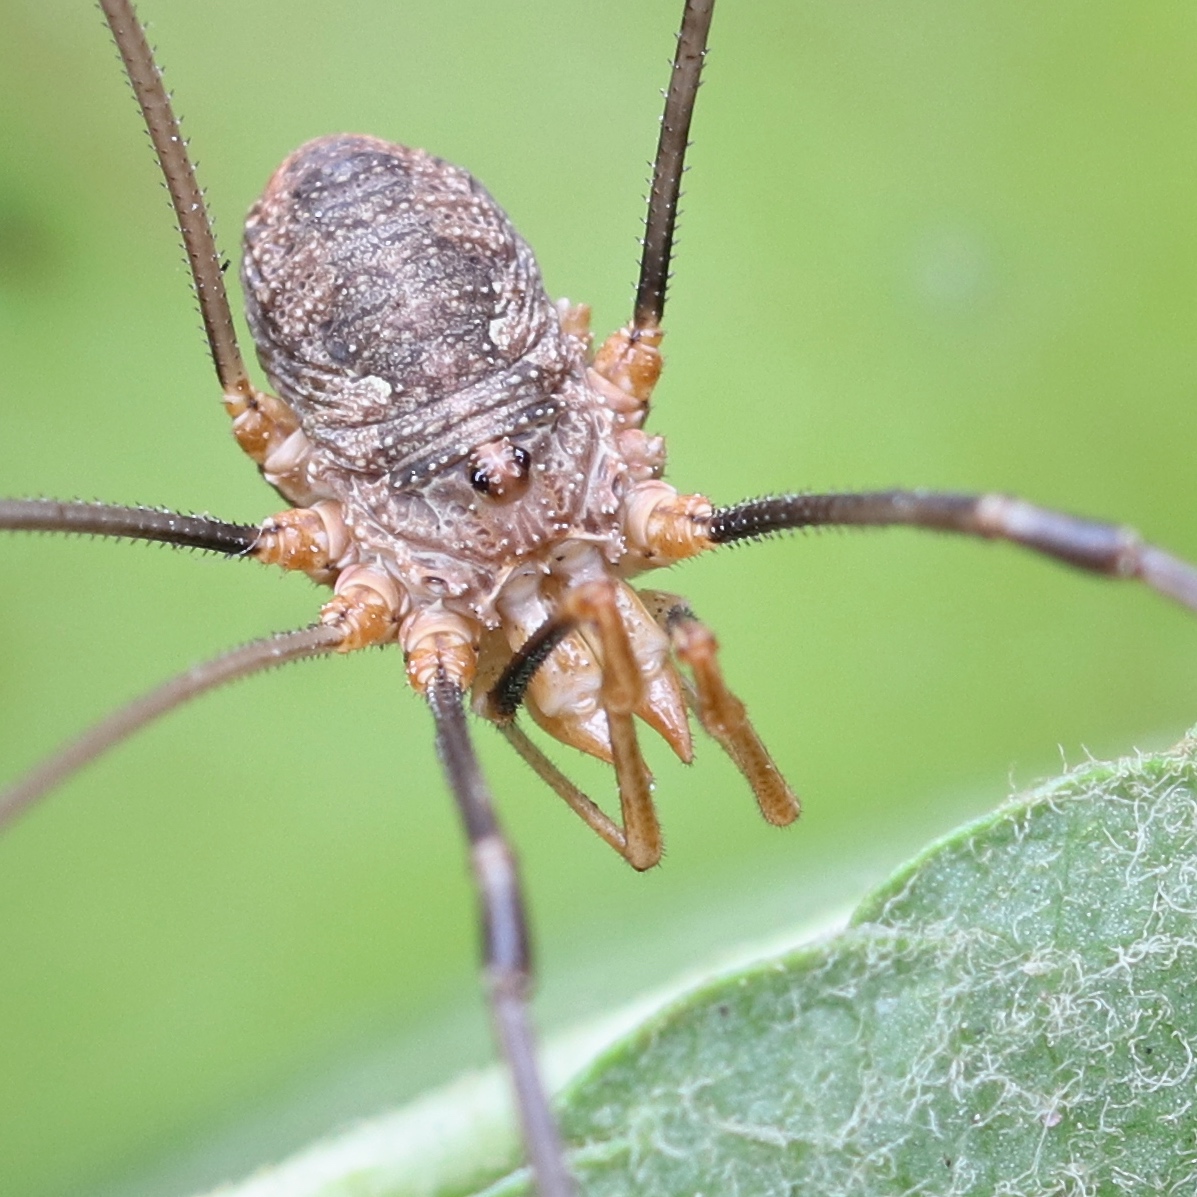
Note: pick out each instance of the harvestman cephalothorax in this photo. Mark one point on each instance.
(475, 483)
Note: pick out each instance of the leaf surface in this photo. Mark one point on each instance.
(1014, 1013)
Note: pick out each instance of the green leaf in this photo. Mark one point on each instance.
(1015, 1012)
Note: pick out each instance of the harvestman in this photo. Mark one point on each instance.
(474, 483)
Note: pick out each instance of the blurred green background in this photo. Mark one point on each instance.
(926, 242)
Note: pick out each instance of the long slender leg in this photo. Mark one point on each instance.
(187, 199)
(120, 724)
(506, 952)
(131, 523)
(1087, 544)
(669, 164)
(630, 358)
(299, 538)
(262, 422)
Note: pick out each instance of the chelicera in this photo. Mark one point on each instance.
(474, 481)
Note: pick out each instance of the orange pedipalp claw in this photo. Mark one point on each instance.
(726, 720)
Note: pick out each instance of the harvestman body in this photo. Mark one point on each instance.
(474, 483)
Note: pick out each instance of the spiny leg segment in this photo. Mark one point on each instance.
(186, 197)
(128, 523)
(669, 164)
(1091, 545)
(630, 358)
(262, 422)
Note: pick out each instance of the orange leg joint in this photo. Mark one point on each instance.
(368, 606)
(304, 538)
(663, 526)
(630, 359)
(439, 643)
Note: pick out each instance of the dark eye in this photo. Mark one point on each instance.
(499, 470)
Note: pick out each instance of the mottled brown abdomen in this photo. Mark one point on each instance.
(396, 309)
